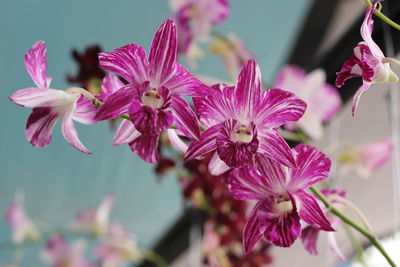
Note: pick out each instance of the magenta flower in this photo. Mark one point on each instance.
(95, 220)
(49, 104)
(282, 199)
(59, 254)
(21, 225)
(153, 96)
(203, 13)
(367, 61)
(309, 234)
(242, 122)
(365, 158)
(323, 100)
(117, 247)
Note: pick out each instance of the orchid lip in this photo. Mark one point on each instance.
(284, 205)
(243, 134)
(152, 98)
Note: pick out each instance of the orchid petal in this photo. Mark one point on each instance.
(248, 89)
(235, 153)
(334, 246)
(218, 11)
(253, 230)
(70, 134)
(375, 155)
(291, 78)
(273, 175)
(275, 147)
(163, 51)
(126, 133)
(40, 125)
(185, 118)
(364, 87)
(246, 184)
(40, 97)
(280, 229)
(309, 236)
(206, 144)
(116, 104)
(146, 147)
(366, 32)
(313, 166)
(85, 111)
(110, 84)
(128, 61)
(36, 64)
(184, 83)
(217, 166)
(311, 212)
(176, 141)
(278, 107)
(326, 101)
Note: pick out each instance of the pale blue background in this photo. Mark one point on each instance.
(58, 180)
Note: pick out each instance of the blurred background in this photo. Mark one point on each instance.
(57, 181)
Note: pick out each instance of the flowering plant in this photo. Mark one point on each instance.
(231, 145)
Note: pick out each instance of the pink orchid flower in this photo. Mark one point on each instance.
(21, 225)
(282, 199)
(95, 220)
(153, 96)
(323, 100)
(117, 247)
(49, 104)
(365, 158)
(202, 13)
(367, 61)
(241, 122)
(59, 254)
(309, 234)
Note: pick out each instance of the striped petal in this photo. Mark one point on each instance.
(217, 166)
(206, 144)
(110, 84)
(116, 104)
(311, 212)
(313, 166)
(176, 141)
(185, 118)
(309, 237)
(364, 87)
(253, 230)
(275, 147)
(40, 97)
(85, 111)
(126, 133)
(70, 134)
(40, 125)
(146, 147)
(163, 51)
(128, 62)
(35, 61)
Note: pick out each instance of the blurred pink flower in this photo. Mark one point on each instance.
(117, 247)
(59, 254)
(323, 100)
(22, 227)
(96, 219)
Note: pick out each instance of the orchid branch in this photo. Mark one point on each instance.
(374, 241)
(382, 16)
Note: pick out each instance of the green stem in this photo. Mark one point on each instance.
(382, 16)
(155, 258)
(374, 241)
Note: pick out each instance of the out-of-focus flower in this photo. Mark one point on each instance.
(241, 122)
(90, 73)
(49, 104)
(202, 13)
(365, 158)
(153, 96)
(95, 220)
(117, 247)
(233, 53)
(367, 61)
(59, 254)
(22, 227)
(323, 100)
(309, 234)
(164, 165)
(281, 195)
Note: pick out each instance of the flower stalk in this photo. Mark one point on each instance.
(374, 241)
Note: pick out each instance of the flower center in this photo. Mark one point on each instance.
(152, 98)
(284, 205)
(243, 134)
